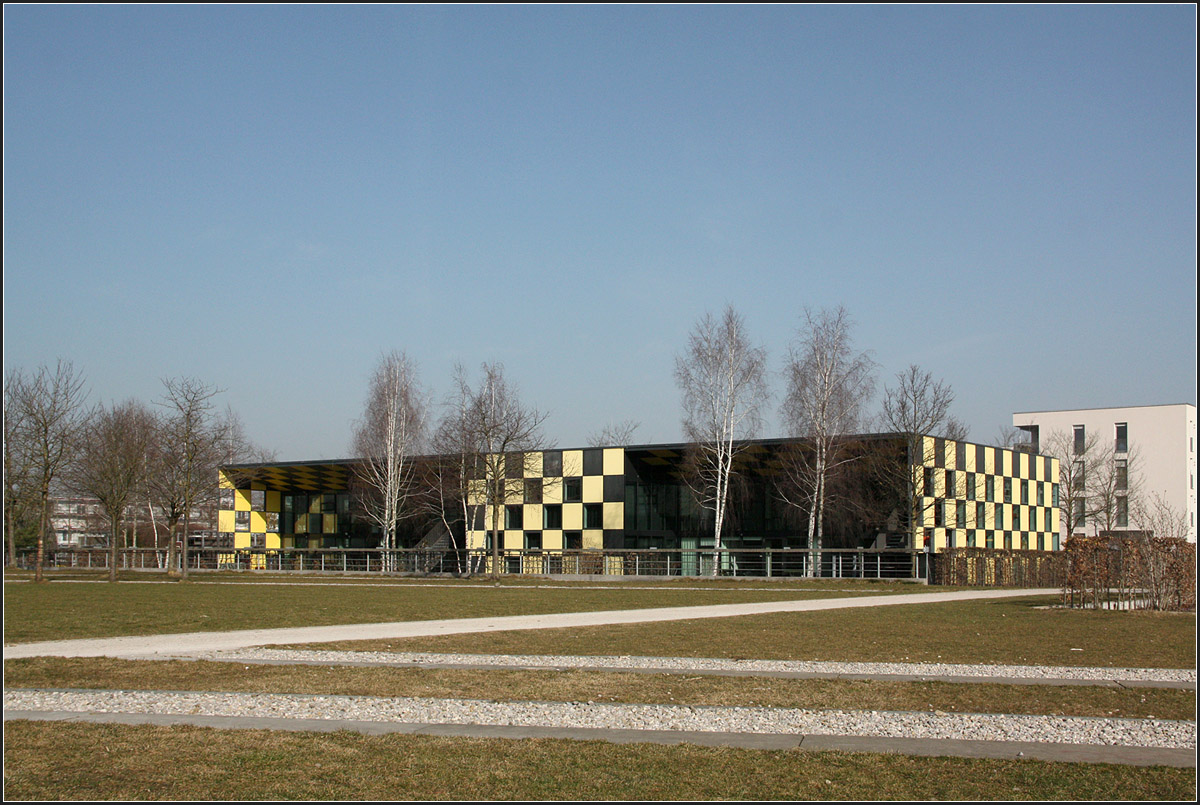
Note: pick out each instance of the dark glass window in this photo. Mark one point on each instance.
(514, 517)
(533, 490)
(593, 515)
(961, 514)
(533, 540)
(1080, 440)
(572, 490)
(951, 486)
(593, 462)
(226, 500)
(552, 516)
(929, 482)
(258, 500)
(514, 465)
(970, 486)
(573, 540)
(1122, 437)
(241, 521)
(980, 515)
(1122, 478)
(1008, 490)
(552, 464)
(1024, 491)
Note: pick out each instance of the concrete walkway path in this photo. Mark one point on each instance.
(174, 644)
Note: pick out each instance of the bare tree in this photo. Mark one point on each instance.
(918, 406)
(187, 457)
(828, 386)
(722, 377)
(505, 432)
(387, 438)
(20, 498)
(447, 473)
(614, 433)
(1085, 465)
(53, 407)
(109, 463)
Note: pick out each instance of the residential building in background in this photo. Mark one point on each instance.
(1152, 449)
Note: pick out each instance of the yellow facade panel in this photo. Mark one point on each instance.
(552, 539)
(572, 516)
(614, 461)
(241, 500)
(593, 489)
(225, 520)
(533, 465)
(241, 540)
(593, 539)
(258, 523)
(224, 481)
(552, 490)
(614, 515)
(572, 463)
(532, 514)
(273, 542)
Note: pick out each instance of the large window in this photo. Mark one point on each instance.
(1122, 479)
(1122, 512)
(1080, 440)
(514, 517)
(572, 490)
(1122, 437)
(593, 515)
(552, 517)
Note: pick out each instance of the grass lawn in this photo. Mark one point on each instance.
(46, 761)
(1011, 631)
(72, 609)
(78, 761)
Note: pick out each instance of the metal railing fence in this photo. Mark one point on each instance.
(726, 562)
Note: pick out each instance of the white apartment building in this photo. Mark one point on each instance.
(1161, 440)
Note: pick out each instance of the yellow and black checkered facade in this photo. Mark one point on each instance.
(964, 495)
(555, 499)
(979, 496)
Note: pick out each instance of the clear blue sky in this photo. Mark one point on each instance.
(268, 197)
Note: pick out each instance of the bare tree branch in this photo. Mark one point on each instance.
(722, 377)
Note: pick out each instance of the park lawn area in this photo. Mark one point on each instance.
(1010, 631)
(63, 609)
(576, 685)
(57, 761)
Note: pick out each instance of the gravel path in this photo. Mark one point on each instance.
(936, 725)
(684, 664)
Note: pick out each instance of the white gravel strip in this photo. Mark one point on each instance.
(703, 664)
(763, 720)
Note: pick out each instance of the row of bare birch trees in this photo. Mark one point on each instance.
(124, 455)
(443, 470)
(723, 379)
